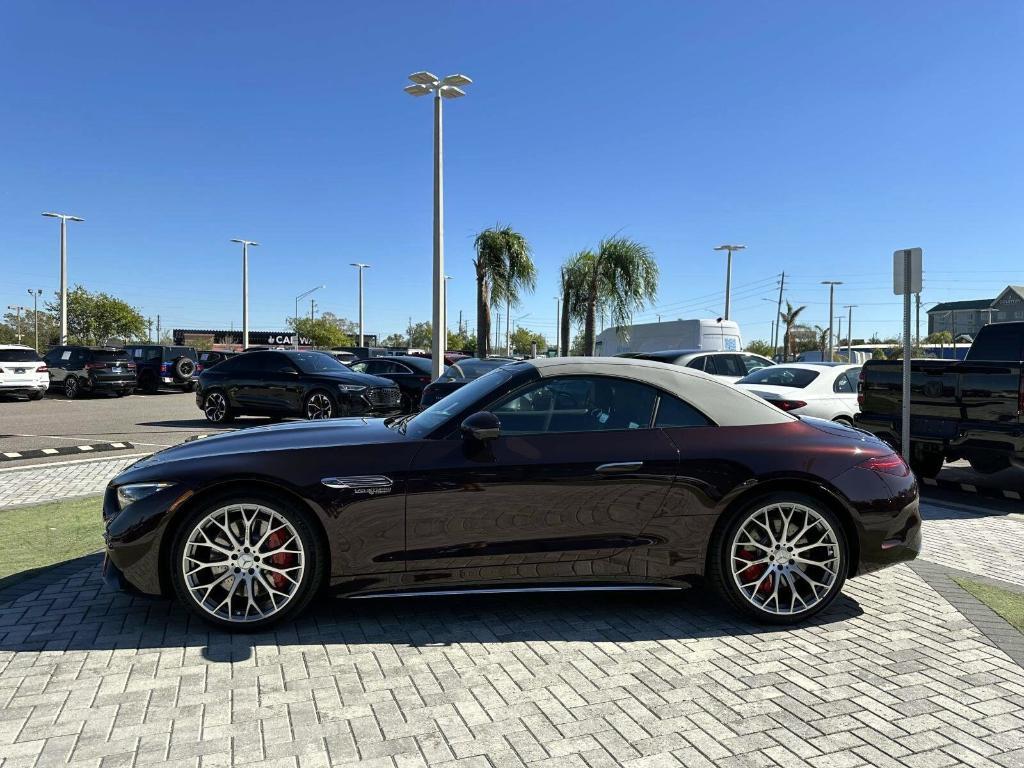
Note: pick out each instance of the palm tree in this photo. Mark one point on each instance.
(620, 276)
(573, 278)
(789, 317)
(503, 270)
(822, 336)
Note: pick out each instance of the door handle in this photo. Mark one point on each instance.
(618, 467)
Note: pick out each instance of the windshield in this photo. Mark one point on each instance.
(781, 376)
(316, 362)
(426, 421)
(473, 368)
(18, 356)
(105, 356)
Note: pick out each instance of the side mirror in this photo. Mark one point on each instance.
(289, 370)
(482, 427)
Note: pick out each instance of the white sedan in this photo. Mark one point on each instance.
(825, 390)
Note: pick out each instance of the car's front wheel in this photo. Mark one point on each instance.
(216, 407)
(246, 563)
(319, 405)
(780, 558)
(72, 389)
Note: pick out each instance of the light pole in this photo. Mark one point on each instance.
(297, 300)
(360, 267)
(245, 289)
(18, 310)
(35, 294)
(728, 273)
(831, 307)
(446, 88)
(64, 218)
(849, 332)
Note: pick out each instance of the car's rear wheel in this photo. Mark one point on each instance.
(37, 395)
(846, 421)
(149, 384)
(319, 405)
(216, 407)
(72, 388)
(246, 563)
(781, 558)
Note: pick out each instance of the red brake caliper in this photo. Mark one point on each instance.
(754, 572)
(281, 560)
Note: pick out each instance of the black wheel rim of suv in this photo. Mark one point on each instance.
(319, 407)
(71, 387)
(215, 406)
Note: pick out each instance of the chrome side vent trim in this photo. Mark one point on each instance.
(372, 485)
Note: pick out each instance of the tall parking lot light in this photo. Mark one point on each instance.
(35, 294)
(831, 307)
(297, 299)
(18, 310)
(849, 331)
(444, 88)
(728, 274)
(360, 267)
(64, 219)
(245, 289)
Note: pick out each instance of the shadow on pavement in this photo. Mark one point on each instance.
(77, 611)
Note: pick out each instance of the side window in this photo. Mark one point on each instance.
(754, 363)
(730, 365)
(362, 367)
(259, 362)
(51, 358)
(381, 367)
(673, 412)
(701, 364)
(842, 384)
(577, 404)
(78, 358)
(228, 365)
(152, 353)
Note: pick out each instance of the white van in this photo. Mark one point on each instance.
(704, 335)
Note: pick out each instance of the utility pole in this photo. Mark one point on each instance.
(831, 309)
(64, 218)
(917, 319)
(35, 294)
(558, 325)
(158, 329)
(839, 332)
(149, 330)
(360, 267)
(312, 309)
(18, 310)
(778, 315)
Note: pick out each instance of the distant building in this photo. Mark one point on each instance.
(962, 318)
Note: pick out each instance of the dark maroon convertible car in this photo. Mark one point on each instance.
(599, 473)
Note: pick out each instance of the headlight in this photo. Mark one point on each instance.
(128, 494)
(351, 387)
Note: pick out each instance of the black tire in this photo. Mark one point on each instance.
(217, 408)
(72, 388)
(184, 367)
(719, 562)
(319, 404)
(149, 384)
(36, 395)
(313, 561)
(925, 462)
(988, 465)
(190, 387)
(846, 421)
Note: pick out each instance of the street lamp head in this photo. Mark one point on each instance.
(423, 78)
(831, 282)
(456, 80)
(65, 216)
(417, 90)
(244, 242)
(727, 247)
(361, 266)
(451, 92)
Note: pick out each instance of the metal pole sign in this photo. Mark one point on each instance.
(906, 280)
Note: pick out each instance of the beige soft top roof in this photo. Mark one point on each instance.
(723, 403)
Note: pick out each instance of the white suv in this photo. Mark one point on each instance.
(22, 372)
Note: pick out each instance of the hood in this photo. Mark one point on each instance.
(289, 436)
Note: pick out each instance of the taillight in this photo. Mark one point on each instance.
(91, 366)
(890, 464)
(788, 405)
(131, 366)
(423, 379)
(42, 369)
(860, 387)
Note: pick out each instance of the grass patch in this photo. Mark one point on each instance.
(1009, 605)
(44, 534)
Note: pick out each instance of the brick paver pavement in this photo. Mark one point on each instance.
(990, 546)
(52, 482)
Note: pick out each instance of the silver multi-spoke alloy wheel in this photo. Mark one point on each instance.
(243, 563)
(70, 387)
(785, 558)
(319, 406)
(215, 407)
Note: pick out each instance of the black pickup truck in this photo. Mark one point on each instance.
(970, 410)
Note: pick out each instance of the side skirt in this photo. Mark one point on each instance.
(517, 590)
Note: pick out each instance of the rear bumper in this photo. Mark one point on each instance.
(109, 385)
(24, 388)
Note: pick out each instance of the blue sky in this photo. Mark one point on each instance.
(822, 135)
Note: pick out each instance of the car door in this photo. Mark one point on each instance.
(844, 390)
(282, 387)
(246, 383)
(565, 490)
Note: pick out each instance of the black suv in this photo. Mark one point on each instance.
(80, 369)
(164, 366)
(287, 383)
